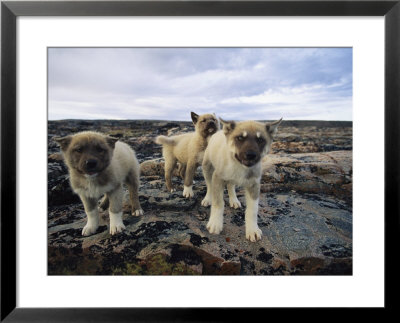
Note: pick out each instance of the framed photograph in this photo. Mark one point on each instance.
(96, 93)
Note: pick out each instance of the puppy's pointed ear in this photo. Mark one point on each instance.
(63, 142)
(227, 126)
(218, 121)
(272, 127)
(111, 141)
(195, 117)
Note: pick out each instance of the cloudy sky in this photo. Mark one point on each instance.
(168, 83)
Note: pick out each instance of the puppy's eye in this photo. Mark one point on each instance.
(78, 149)
(204, 120)
(239, 138)
(99, 149)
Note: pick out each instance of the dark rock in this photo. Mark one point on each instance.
(305, 210)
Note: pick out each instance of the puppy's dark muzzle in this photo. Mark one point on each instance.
(249, 158)
(91, 165)
(251, 155)
(211, 127)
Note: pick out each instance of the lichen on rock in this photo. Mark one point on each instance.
(305, 210)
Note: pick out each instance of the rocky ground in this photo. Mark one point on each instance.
(305, 210)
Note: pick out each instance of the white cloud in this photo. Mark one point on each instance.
(168, 83)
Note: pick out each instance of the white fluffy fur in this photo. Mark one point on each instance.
(123, 167)
(188, 191)
(220, 167)
(92, 223)
(120, 165)
(253, 233)
(221, 155)
(116, 224)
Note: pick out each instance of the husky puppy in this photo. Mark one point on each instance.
(233, 158)
(98, 165)
(188, 150)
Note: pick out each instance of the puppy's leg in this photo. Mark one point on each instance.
(215, 222)
(104, 203)
(132, 181)
(115, 210)
(208, 170)
(170, 163)
(189, 174)
(92, 214)
(182, 170)
(252, 193)
(233, 200)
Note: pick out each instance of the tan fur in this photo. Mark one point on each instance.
(187, 150)
(98, 165)
(232, 158)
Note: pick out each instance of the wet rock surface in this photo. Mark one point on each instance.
(305, 210)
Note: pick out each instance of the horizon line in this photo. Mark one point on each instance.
(69, 119)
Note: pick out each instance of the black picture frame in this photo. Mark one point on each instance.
(10, 10)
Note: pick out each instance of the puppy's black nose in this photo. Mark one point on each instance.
(91, 163)
(211, 123)
(251, 155)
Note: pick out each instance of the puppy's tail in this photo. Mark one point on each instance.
(163, 140)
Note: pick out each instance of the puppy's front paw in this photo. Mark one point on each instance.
(89, 229)
(137, 212)
(116, 224)
(235, 203)
(206, 201)
(170, 188)
(214, 226)
(117, 228)
(188, 191)
(253, 234)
